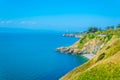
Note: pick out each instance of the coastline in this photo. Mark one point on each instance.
(102, 49)
(75, 35)
(73, 50)
(68, 50)
(88, 56)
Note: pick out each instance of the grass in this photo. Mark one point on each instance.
(85, 39)
(108, 69)
(106, 64)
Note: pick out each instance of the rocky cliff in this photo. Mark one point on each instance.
(91, 46)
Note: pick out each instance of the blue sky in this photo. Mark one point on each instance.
(59, 14)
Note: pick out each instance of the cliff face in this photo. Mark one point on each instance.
(91, 46)
(105, 65)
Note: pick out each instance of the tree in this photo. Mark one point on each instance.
(99, 29)
(118, 26)
(92, 29)
(110, 27)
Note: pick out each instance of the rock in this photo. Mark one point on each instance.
(63, 49)
(90, 47)
(68, 50)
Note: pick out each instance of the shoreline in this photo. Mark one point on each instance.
(72, 49)
(88, 56)
(67, 50)
(72, 35)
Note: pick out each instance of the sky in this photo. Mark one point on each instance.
(66, 15)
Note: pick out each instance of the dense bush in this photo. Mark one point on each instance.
(109, 27)
(91, 36)
(92, 29)
(118, 26)
(108, 47)
(100, 57)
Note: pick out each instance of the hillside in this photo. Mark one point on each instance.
(106, 64)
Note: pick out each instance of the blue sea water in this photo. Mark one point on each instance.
(32, 56)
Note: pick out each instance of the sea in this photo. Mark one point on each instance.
(33, 56)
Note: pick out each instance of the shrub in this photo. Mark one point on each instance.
(91, 36)
(100, 57)
(108, 47)
(93, 29)
(109, 27)
(118, 26)
(108, 37)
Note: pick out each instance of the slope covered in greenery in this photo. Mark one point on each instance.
(106, 64)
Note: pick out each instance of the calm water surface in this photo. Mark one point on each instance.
(32, 56)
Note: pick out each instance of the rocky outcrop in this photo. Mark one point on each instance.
(73, 35)
(64, 49)
(90, 47)
(68, 50)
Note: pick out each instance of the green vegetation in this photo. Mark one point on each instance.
(103, 71)
(108, 47)
(82, 42)
(106, 64)
(110, 27)
(85, 39)
(103, 36)
(100, 57)
(93, 29)
(91, 36)
(118, 26)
